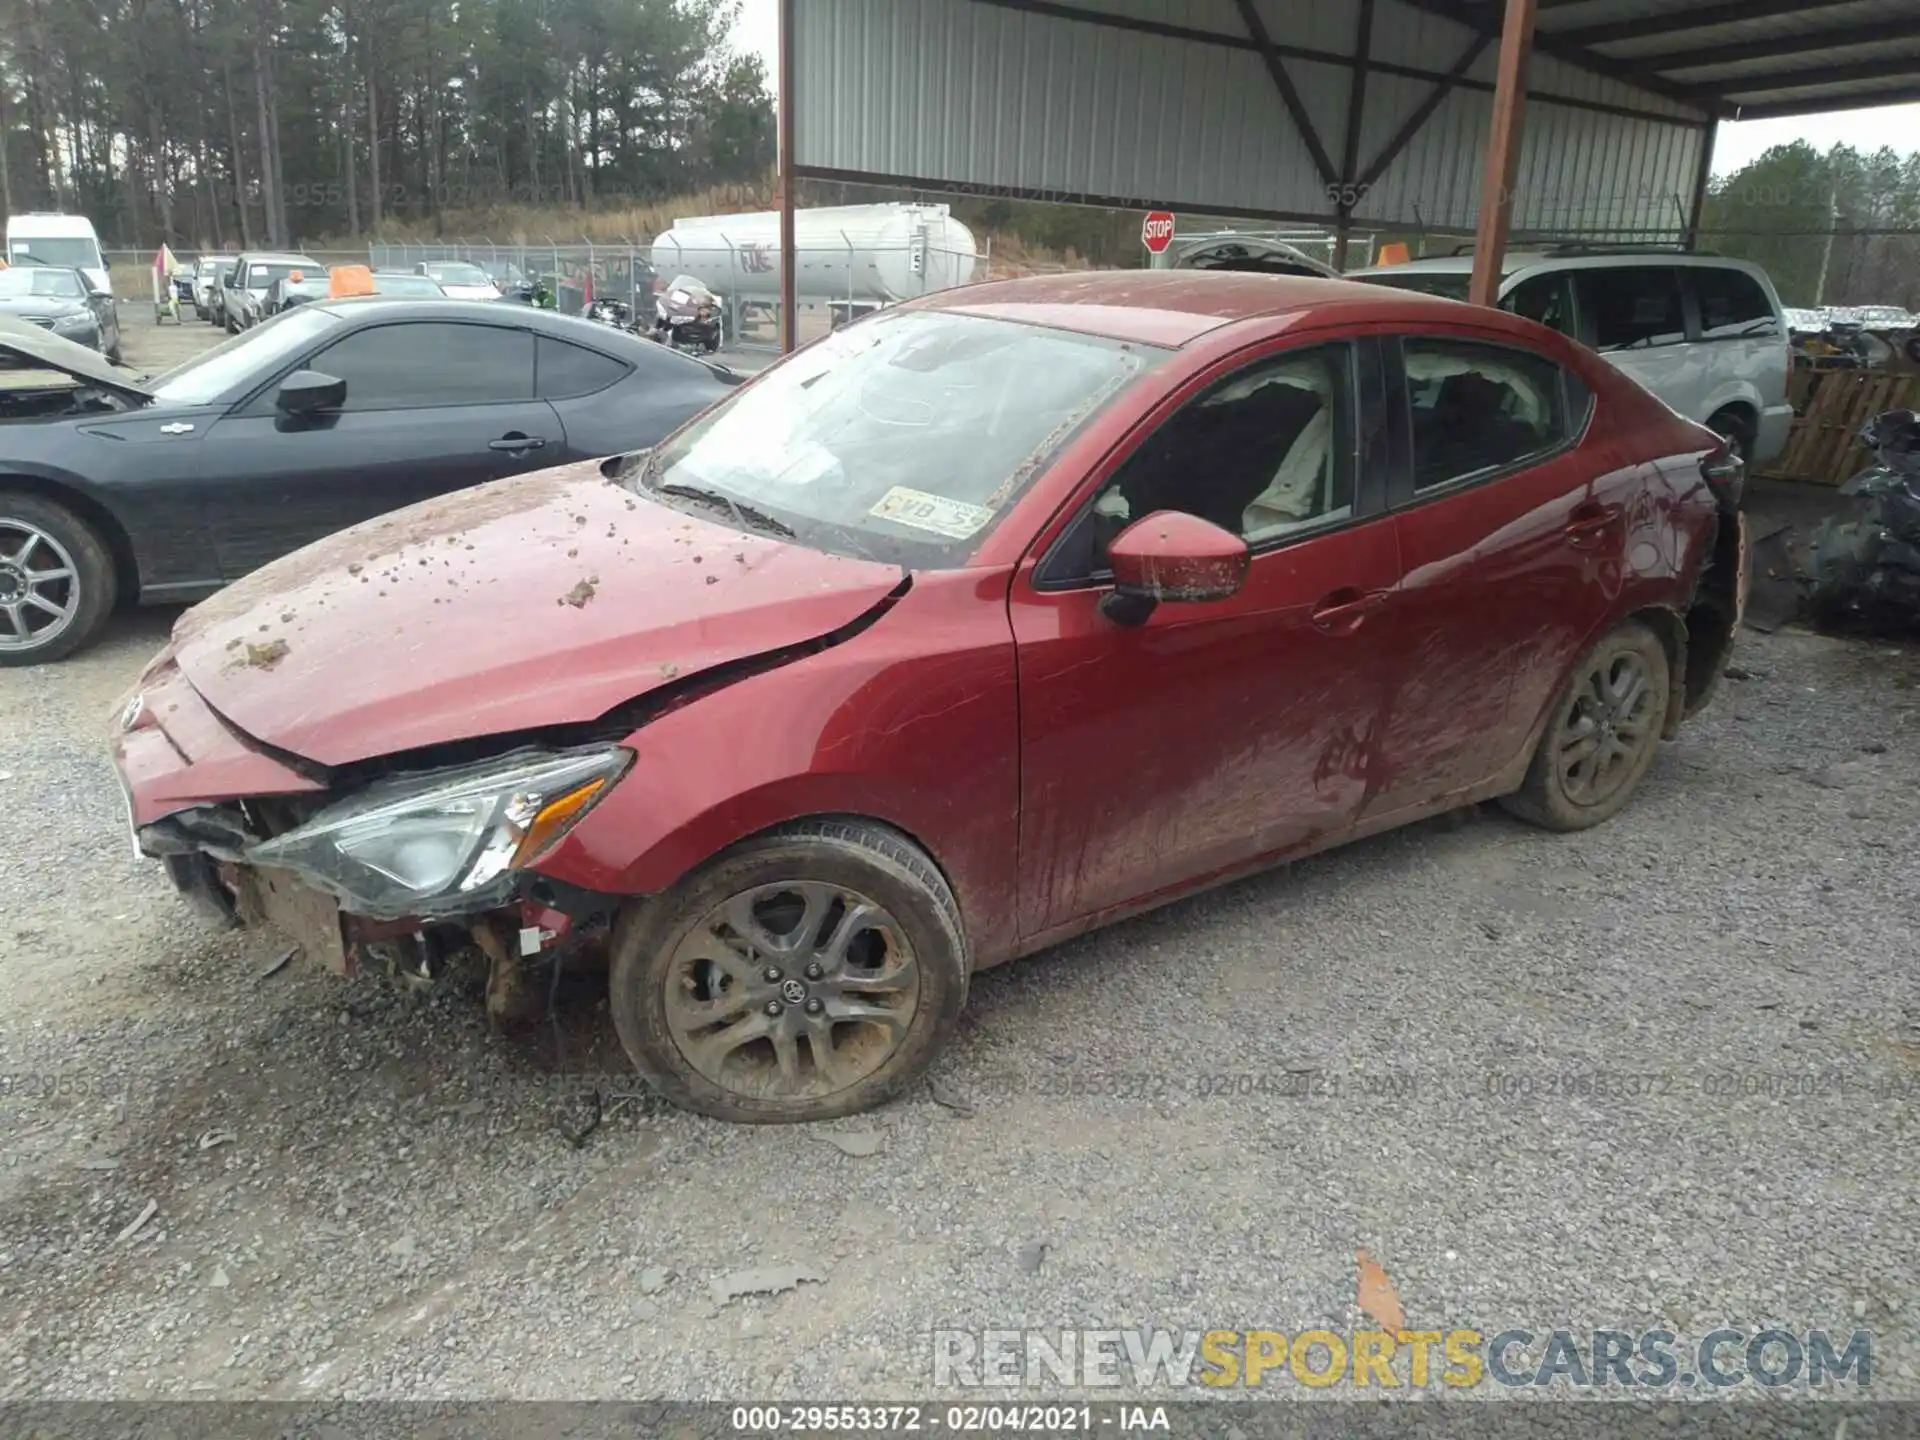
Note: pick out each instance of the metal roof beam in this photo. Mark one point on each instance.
(1487, 20)
(1792, 109)
(1289, 92)
(1107, 20)
(1423, 112)
(1774, 47)
(1613, 31)
(1899, 67)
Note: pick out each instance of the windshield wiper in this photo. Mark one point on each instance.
(745, 516)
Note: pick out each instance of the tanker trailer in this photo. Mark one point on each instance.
(854, 258)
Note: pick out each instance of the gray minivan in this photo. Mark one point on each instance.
(1704, 333)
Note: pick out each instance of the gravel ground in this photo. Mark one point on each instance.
(1661, 1075)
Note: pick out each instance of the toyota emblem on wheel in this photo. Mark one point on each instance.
(794, 992)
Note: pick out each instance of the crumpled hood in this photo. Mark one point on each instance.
(541, 600)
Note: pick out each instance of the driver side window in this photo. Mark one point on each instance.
(1265, 453)
(423, 364)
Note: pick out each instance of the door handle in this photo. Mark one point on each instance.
(514, 442)
(1589, 525)
(1342, 611)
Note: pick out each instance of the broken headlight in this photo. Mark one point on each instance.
(444, 841)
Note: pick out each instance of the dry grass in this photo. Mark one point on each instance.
(611, 224)
(1009, 254)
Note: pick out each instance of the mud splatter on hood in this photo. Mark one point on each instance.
(453, 619)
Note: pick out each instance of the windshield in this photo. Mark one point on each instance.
(63, 284)
(1447, 284)
(459, 274)
(260, 275)
(212, 373)
(902, 438)
(405, 285)
(77, 251)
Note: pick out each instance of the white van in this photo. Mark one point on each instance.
(1704, 333)
(64, 240)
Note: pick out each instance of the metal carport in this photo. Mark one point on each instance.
(1380, 113)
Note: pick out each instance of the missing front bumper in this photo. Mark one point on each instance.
(307, 917)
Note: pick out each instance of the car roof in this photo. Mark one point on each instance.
(277, 256)
(29, 223)
(1514, 261)
(1171, 307)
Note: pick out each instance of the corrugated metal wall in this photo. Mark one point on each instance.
(990, 97)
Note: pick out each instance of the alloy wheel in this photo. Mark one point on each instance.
(1605, 730)
(792, 990)
(39, 586)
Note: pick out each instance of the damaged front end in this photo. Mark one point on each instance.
(411, 867)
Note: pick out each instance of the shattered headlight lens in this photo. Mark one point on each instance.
(434, 843)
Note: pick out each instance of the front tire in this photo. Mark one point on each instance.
(1733, 427)
(56, 581)
(1601, 734)
(811, 973)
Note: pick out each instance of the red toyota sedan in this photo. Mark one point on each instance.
(978, 624)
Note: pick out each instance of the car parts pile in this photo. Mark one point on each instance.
(1865, 570)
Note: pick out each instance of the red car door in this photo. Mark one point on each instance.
(1511, 533)
(1211, 735)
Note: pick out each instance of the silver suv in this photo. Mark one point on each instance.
(1705, 334)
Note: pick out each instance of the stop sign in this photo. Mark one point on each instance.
(1156, 231)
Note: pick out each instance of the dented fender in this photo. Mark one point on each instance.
(885, 726)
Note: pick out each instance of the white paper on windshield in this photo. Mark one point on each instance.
(954, 519)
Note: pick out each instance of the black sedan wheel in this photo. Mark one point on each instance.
(56, 581)
(804, 975)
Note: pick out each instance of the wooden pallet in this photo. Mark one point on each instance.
(1832, 405)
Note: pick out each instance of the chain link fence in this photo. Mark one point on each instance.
(835, 283)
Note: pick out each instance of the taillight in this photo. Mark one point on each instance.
(1726, 475)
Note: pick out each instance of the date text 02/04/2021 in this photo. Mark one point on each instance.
(951, 1419)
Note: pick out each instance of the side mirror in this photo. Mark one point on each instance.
(105, 263)
(1175, 558)
(307, 392)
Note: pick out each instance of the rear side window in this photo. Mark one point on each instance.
(1732, 304)
(569, 371)
(1631, 307)
(1479, 409)
(1545, 299)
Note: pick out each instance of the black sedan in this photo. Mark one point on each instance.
(64, 301)
(115, 490)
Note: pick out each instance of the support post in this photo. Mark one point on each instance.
(1503, 151)
(789, 259)
(1349, 192)
(1701, 180)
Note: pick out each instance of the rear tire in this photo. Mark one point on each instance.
(1601, 735)
(39, 539)
(775, 924)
